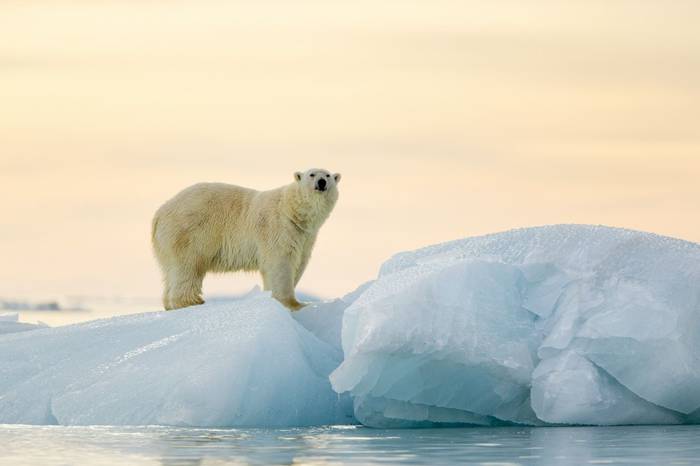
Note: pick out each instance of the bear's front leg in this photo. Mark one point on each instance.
(278, 277)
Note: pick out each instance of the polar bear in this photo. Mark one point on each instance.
(217, 227)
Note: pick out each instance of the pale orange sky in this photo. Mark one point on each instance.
(446, 119)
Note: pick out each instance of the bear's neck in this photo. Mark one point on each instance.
(307, 211)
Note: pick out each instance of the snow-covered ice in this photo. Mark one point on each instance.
(565, 324)
(243, 363)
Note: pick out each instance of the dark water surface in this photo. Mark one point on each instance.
(56, 445)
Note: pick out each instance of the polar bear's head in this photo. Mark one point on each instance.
(318, 180)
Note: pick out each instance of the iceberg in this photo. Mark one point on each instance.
(566, 324)
(557, 325)
(242, 363)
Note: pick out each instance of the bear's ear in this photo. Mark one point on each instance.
(297, 176)
(336, 177)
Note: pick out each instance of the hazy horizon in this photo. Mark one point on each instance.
(447, 119)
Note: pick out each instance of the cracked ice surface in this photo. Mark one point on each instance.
(563, 324)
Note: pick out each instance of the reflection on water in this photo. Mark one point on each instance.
(49, 445)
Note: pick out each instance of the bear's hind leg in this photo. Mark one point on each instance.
(166, 296)
(185, 288)
(168, 277)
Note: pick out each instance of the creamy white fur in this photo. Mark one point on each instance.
(221, 227)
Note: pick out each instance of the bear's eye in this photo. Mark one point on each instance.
(328, 176)
(312, 175)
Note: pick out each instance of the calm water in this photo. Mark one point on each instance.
(50, 445)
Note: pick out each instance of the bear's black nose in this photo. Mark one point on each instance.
(321, 185)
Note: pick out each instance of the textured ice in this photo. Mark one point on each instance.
(564, 324)
(552, 325)
(242, 363)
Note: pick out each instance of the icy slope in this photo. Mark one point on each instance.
(562, 324)
(247, 363)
